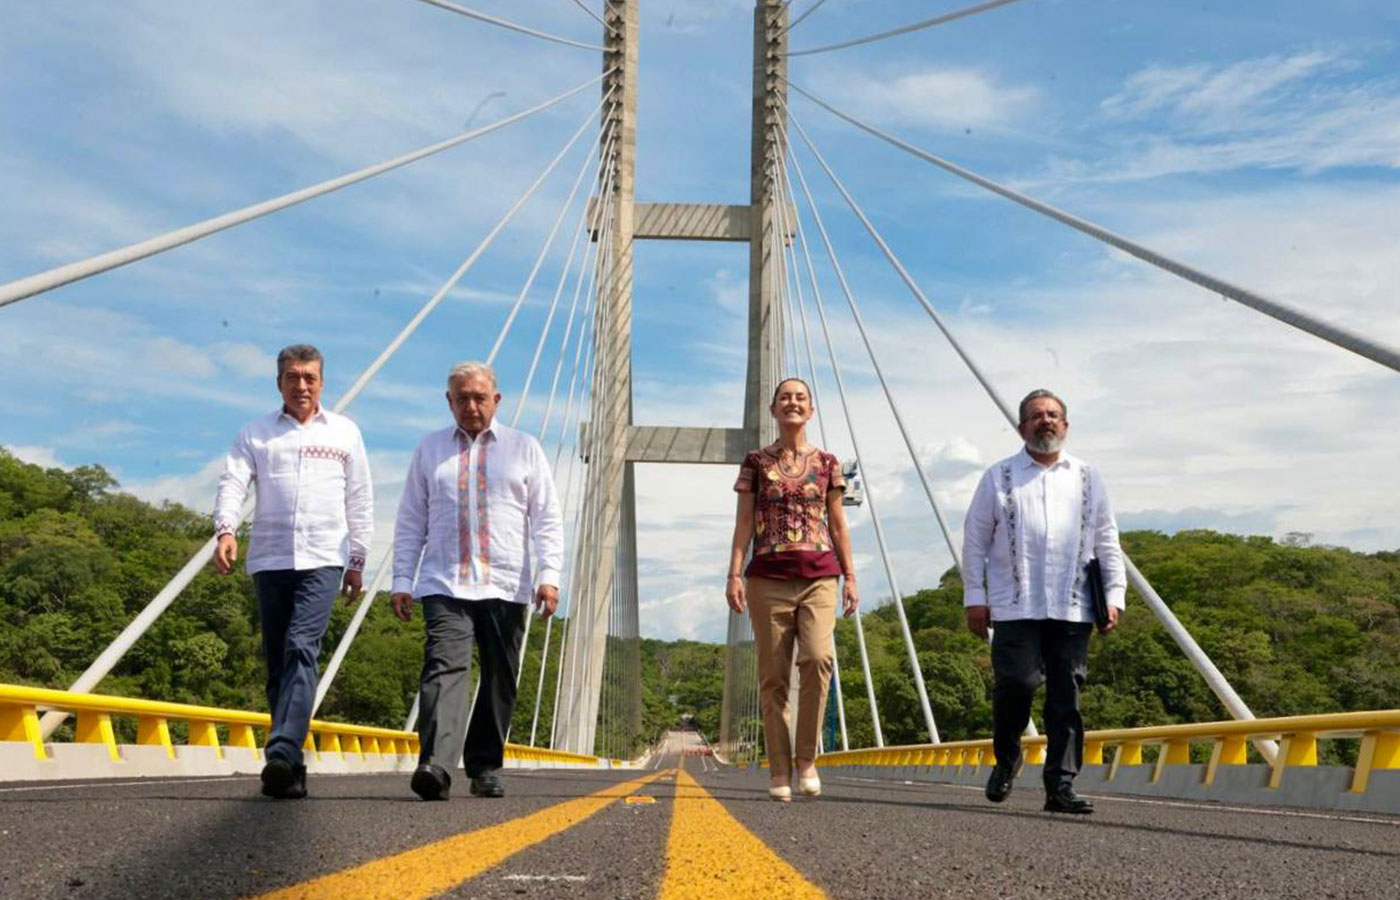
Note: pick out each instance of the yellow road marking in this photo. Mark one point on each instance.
(442, 865)
(709, 854)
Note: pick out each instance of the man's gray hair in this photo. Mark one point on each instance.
(1036, 395)
(471, 370)
(299, 353)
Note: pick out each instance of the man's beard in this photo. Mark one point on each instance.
(1046, 443)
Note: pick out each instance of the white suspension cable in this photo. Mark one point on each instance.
(1337, 335)
(576, 631)
(56, 277)
(544, 251)
(138, 626)
(603, 361)
(567, 495)
(1214, 678)
(577, 461)
(919, 686)
(798, 21)
(801, 238)
(585, 338)
(796, 284)
(511, 26)
(875, 362)
(539, 347)
(916, 26)
(599, 19)
(580, 235)
(589, 554)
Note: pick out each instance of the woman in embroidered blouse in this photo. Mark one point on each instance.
(789, 587)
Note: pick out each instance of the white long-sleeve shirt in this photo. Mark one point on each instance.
(474, 514)
(1030, 531)
(315, 502)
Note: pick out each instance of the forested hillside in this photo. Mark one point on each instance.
(1295, 629)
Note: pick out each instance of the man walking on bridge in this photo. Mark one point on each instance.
(1036, 521)
(311, 531)
(479, 507)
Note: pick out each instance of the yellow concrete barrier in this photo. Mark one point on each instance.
(19, 721)
(1379, 731)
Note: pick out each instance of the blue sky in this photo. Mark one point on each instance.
(1258, 140)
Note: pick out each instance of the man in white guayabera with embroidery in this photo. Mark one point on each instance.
(1035, 522)
(311, 531)
(479, 536)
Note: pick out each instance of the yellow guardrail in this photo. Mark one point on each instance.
(19, 721)
(1379, 732)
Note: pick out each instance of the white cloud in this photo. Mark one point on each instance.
(195, 490)
(109, 357)
(729, 292)
(942, 99)
(37, 455)
(247, 360)
(1212, 92)
(1307, 111)
(177, 359)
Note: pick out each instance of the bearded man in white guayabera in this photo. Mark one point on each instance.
(478, 536)
(312, 525)
(1041, 563)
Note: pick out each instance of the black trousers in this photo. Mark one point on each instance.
(1025, 654)
(497, 627)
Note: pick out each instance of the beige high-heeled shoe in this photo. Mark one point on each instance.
(810, 787)
(781, 793)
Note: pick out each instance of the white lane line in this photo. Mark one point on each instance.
(1118, 798)
(146, 781)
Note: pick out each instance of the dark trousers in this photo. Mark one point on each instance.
(1025, 654)
(497, 626)
(295, 606)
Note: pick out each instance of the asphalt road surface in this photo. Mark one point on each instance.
(671, 832)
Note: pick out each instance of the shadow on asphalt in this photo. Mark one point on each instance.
(732, 793)
(237, 844)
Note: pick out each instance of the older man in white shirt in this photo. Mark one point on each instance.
(479, 535)
(312, 525)
(1035, 522)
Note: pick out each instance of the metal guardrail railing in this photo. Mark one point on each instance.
(1379, 732)
(19, 721)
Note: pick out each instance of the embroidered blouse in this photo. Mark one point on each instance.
(791, 537)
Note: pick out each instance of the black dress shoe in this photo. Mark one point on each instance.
(282, 780)
(488, 786)
(431, 782)
(277, 775)
(297, 789)
(999, 785)
(1063, 799)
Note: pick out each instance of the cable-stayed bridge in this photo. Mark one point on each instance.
(896, 819)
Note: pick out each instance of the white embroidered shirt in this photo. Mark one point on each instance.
(1030, 531)
(477, 516)
(315, 502)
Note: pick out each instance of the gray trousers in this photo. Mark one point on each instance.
(1025, 653)
(444, 733)
(295, 606)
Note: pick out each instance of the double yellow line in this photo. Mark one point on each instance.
(708, 853)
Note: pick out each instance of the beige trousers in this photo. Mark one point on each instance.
(788, 612)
